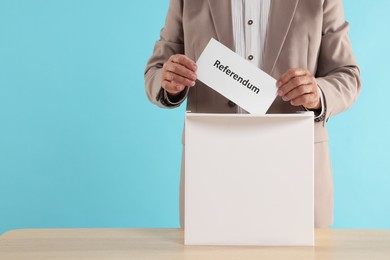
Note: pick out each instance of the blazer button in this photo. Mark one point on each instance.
(250, 57)
(231, 103)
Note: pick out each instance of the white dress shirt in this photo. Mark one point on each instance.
(250, 21)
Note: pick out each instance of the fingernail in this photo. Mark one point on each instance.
(285, 98)
(192, 83)
(279, 84)
(280, 93)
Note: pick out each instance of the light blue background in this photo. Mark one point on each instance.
(81, 146)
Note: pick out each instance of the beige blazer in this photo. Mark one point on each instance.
(311, 34)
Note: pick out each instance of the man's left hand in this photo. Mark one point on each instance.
(299, 87)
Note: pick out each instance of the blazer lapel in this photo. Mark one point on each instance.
(221, 12)
(280, 18)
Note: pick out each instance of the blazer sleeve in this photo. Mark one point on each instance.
(171, 42)
(338, 74)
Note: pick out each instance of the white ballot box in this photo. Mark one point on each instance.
(249, 179)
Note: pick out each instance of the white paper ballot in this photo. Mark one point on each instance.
(236, 78)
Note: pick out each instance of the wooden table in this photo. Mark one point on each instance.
(145, 244)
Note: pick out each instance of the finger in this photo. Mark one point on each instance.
(295, 83)
(290, 74)
(171, 87)
(310, 101)
(175, 78)
(185, 61)
(299, 91)
(306, 100)
(181, 70)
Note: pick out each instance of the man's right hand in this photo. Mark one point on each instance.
(178, 72)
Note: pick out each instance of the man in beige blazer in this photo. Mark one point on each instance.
(307, 50)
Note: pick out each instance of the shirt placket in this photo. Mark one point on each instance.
(251, 20)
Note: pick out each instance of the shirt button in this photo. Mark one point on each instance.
(231, 103)
(250, 22)
(250, 57)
